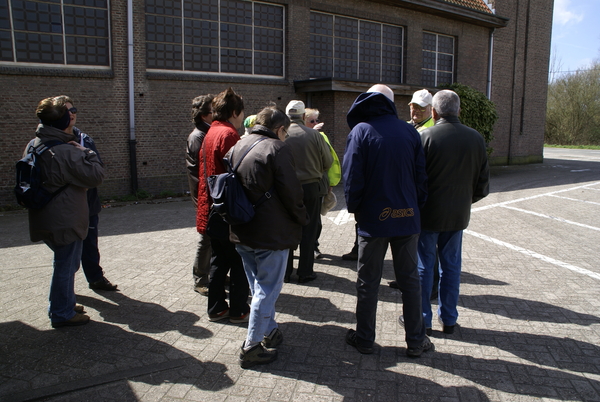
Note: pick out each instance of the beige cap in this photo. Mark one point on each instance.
(295, 107)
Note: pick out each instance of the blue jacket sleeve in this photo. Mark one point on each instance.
(353, 172)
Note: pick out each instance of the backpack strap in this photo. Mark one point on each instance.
(43, 146)
(267, 194)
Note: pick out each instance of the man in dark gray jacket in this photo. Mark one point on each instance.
(458, 175)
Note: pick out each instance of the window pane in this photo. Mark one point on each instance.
(236, 61)
(429, 60)
(428, 78)
(268, 63)
(164, 56)
(201, 33)
(321, 24)
(445, 44)
(392, 73)
(163, 29)
(370, 32)
(236, 36)
(345, 69)
(164, 7)
(429, 41)
(201, 9)
(238, 12)
(321, 46)
(37, 17)
(270, 40)
(445, 62)
(201, 58)
(444, 78)
(6, 53)
(39, 48)
(268, 16)
(346, 28)
(86, 21)
(4, 17)
(87, 51)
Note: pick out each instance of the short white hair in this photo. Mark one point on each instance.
(446, 103)
(382, 89)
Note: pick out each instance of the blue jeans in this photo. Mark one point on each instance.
(371, 253)
(265, 270)
(449, 248)
(62, 287)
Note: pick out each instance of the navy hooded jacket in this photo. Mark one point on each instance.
(385, 181)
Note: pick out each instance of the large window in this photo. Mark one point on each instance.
(438, 59)
(215, 36)
(349, 48)
(67, 32)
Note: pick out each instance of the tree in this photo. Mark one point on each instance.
(573, 110)
(476, 111)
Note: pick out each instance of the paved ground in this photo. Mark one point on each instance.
(529, 310)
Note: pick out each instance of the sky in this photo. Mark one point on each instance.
(575, 34)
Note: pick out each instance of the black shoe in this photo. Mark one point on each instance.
(426, 346)
(428, 331)
(351, 256)
(447, 329)
(304, 279)
(273, 340)
(78, 319)
(352, 340)
(394, 285)
(434, 296)
(257, 355)
(286, 279)
(103, 284)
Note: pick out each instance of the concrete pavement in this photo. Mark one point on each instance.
(529, 310)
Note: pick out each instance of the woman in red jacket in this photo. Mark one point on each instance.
(228, 115)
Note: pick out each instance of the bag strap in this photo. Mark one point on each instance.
(243, 156)
(43, 146)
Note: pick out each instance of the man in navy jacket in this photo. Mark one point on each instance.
(385, 185)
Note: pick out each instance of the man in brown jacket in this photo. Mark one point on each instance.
(63, 223)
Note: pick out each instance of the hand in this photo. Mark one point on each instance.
(318, 126)
(77, 145)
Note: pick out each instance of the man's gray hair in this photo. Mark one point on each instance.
(446, 103)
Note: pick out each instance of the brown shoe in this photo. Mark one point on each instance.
(103, 284)
(78, 319)
(79, 308)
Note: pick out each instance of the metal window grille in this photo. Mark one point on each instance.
(215, 36)
(438, 59)
(350, 48)
(55, 32)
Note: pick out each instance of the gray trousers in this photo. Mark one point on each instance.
(202, 261)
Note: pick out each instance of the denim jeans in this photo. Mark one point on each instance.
(265, 270)
(90, 256)
(448, 246)
(371, 253)
(62, 287)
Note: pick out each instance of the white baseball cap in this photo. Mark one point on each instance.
(422, 98)
(295, 107)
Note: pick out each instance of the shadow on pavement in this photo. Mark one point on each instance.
(73, 359)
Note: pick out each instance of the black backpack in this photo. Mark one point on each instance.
(28, 189)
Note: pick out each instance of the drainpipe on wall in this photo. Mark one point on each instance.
(132, 141)
(491, 59)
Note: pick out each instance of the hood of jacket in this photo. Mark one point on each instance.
(49, 133)
(369, 105)
(262, 130)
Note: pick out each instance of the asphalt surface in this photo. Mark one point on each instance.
(529, 324)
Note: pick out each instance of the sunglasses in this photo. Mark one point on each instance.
(314, 121)
(73, 110)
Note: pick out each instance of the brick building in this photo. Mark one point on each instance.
(132, 79)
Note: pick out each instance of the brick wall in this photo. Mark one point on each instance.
(162, 101)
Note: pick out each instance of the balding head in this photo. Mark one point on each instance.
(384, 90)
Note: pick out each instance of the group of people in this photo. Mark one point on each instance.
(410, 186)
(284, 164)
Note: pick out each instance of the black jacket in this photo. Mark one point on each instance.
(194, 143)
(458, 174)
(277, 223)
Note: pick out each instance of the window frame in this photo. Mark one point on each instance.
(437, 53)
(220, 22)
(359, 50)
(63, 35)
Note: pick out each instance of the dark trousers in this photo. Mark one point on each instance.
(224, 260)
(90, 256)
(312, 201)
(201, 269)
(371, 254)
